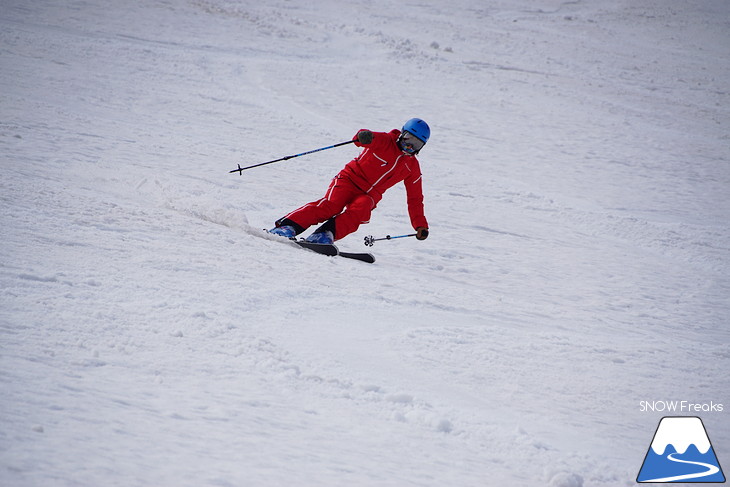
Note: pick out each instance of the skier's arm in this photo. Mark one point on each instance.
(414, 195)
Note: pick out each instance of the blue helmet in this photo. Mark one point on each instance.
(419, 128)
(414, 136)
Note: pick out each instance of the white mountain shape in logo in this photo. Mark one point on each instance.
(681, 432)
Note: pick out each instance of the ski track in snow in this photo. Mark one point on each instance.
(576, 186)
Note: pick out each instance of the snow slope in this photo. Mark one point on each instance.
(577, 187)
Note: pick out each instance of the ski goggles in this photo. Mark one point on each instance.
(410, 143)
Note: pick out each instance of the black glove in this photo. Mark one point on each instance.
(421, 233)
(364, 137)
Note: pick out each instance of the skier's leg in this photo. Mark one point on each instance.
(357, 213)
(333, 202)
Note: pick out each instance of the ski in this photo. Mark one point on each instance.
(324, 249)
(361, 256)
(332, 250)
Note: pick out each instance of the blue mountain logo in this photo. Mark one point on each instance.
(681, 452)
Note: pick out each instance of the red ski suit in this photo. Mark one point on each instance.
(360, 185)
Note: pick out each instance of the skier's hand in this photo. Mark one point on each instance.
(364, 137)
(421, 233)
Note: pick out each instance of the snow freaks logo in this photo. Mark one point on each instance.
(681, 452)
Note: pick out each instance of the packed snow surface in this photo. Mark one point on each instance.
(577, 187)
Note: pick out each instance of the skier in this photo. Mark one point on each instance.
(387, 159)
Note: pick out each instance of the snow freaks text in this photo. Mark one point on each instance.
(680, 407)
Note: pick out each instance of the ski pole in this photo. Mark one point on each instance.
(369, 240)
(241, 169)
